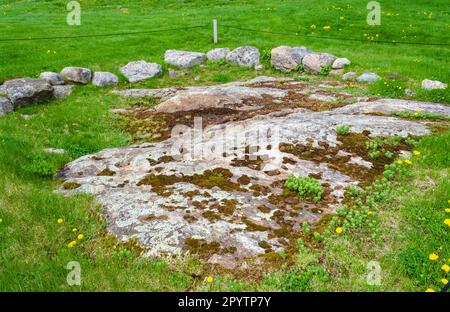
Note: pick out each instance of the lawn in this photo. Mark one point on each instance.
(33, 245)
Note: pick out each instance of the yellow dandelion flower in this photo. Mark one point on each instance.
(60, 220)
(433, 257)
(445, 268)
(400, 162)
(447, 221)
(72, 244)
(416, 153)
(448, 201)
(210, 279)
(339, 230)
(74, 230)
(408, 161)
(313, 26)
(429, 290)
(327, 27)
(342, 18)
(447, 209)
(444, 281)
(369, 213)
(80, 236)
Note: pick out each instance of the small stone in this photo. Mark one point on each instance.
(77, 74)
(340, 63)
(322, 97)
(104, 79)
(428, 84)
(5, 106)
(259, 67)
(140, 70)
(409, 92)
(336, 72)
(349, 76)
(55, 150)
(368, 78)
(244, 56)
(317, 62)
(184, 59)
(24, 91)
(217, 54)
(52, 78)
(60, 92)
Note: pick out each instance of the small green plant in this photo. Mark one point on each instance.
(300, 68)
(374, 154)
(388, 154)
(325, 70)
(306, 228)
(343, 129)
(302, 78)
(307, 187)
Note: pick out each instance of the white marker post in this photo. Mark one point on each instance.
(215, 31)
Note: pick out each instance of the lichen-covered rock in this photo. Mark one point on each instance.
(428, 84)
(217, 54)
(340, 63)
(215, 186)
(5, 106)
(247, 56)
(60, 92)
(141, 70)
(24, 91)
(104, 79)
(316, 63)
(184, 59)
(52, 78)
(286, 58)
(77, 74)
(368, 78)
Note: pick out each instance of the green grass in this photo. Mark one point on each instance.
(33, 247)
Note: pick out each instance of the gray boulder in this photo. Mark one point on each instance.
(368, 78)
(428, 84)
(349, 76)
(317, 62)
(244, 56)
(77, 74)
(286, 58)
(24, 91)
(60, 92)
(103, 79)
(5, 105)
(141, 70)
(340, 63)
(217, 54)
(52, 78)
(184, 59)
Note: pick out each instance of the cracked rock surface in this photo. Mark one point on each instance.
(215, 187)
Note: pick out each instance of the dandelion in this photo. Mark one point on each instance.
(408, 162)
(74, 230)
(433, 257)
(80, 236)
(369, 213)
(447, 221)
(445, 268)
(429, 290)
(400, 162)
(60, 220)
(444, 281)
(327, 27)
(342, 18)
(416, 153)
(448, 201)
(210, 279)
(71, 244)
(313, 26)
(339, 230)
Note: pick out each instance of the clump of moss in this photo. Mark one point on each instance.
(71, 185)
(253, 227)
(307, 187)
(106, 172)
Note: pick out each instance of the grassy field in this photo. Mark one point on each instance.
(33, 245)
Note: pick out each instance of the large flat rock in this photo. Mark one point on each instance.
(216, 189)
